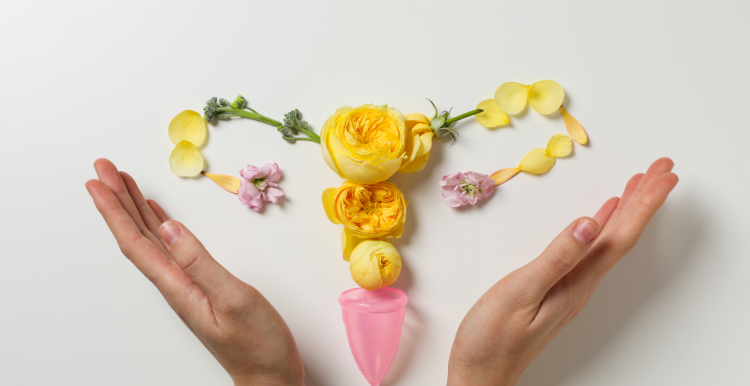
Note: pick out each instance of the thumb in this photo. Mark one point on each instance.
(561, 256)
(210, 276)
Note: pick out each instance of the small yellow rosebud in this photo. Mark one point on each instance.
(374, 264)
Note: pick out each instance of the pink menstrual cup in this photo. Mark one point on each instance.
(373, 321)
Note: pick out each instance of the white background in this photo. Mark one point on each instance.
(82, 80)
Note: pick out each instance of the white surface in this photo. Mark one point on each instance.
(82, 80)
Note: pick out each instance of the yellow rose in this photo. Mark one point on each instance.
(367, 211)
(374, 264)
(418, 143)
(365, 144)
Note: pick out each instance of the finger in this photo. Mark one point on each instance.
(213, 279)
(659, 167)
(144, 209)
(616, 242)
(168, 278)
(605, 212)
(560, 257)
(630, 188)
(158, 210)
(107, 173)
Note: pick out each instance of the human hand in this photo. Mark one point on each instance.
(513, 321)
(232, 319)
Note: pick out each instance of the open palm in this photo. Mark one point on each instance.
(231, 318)
(513, 321)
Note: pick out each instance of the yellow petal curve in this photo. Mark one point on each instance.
(229, 183)
(511, 97)
(363, 172)
(559, 146)
(492, 116)
(503, 175)
(574, 128)
(186, 160)
(546, 96)
(537, 162)
(348, 243)
(327, 205)
(188, 126)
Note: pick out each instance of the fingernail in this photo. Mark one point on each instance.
(585, 231)
(170, 233)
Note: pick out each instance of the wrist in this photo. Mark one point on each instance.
(464, 373)
(269, 380)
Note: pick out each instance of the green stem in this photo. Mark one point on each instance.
(313, 137)
(460, 117)
(248, 114)
(262, 118)
(307, 139)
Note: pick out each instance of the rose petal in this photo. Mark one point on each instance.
(546, 96)
(574, 128)
(327, 205)
(228, 183)
(511, 97)
(348, 243)
(492, 116)
(559, 146)
(537, 162)
(188, 126)
(503, 175)
(186, 160)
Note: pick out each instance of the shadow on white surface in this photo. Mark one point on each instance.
(667, 244)
(411, 334)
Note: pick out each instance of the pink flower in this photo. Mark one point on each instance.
(258, 185)
(466, 188)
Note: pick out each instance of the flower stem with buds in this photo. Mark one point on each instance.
(292, 126)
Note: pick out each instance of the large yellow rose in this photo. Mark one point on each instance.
(418, 143)
(365, 144)
(367, 211)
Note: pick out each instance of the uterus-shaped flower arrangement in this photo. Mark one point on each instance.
(365, 146)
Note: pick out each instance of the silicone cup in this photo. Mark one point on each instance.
(373, 321)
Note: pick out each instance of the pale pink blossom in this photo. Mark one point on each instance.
(258, 185)
(466, 188)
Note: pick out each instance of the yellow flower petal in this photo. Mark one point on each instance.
(327, 205)
(511, 97)
(186, 160)
(364, 172)
(574, 128)
(492, 116)
(546, 96)
(537, 162)
(503, 175)
(416, 165)
(348, 243)
(228, 183)
(188, 126)
(559, 146)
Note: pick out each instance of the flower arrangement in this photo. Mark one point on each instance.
(365, 146)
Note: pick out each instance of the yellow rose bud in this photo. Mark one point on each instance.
(366, 210)
(418, 143)
(365, 144)
(375, 264)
